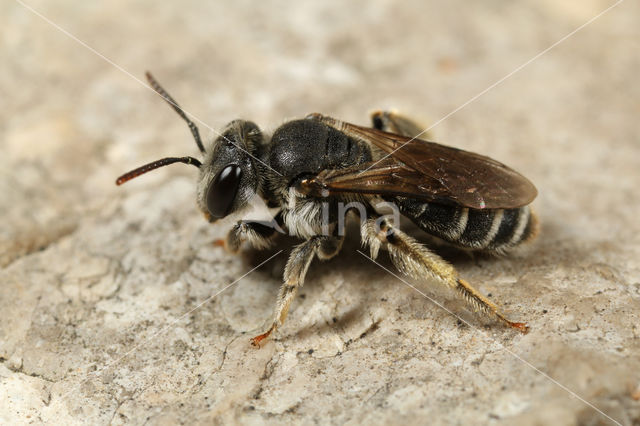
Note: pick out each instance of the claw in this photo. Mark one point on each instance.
(258, 339)
(520, 326)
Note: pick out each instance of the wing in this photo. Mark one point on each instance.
(425, 170)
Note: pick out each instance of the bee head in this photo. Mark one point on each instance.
(228, 177)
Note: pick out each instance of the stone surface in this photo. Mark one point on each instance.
(113, 303)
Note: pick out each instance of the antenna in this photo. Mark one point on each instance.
(194, 129)
(154, 165)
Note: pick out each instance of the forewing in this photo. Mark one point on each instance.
(430, 171)
(387, 177)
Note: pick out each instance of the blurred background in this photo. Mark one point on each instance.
(78, 254)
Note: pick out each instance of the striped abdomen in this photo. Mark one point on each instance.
(490, 229)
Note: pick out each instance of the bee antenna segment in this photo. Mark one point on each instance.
(154, 165)
(160, 90)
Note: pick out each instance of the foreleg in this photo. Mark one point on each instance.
(257, 234)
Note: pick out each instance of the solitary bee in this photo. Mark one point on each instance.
(310, 167)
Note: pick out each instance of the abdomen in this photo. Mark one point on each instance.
(488, 229)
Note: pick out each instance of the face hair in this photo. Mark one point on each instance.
(194, 129)
(154, 165)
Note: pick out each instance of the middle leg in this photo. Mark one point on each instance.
(325, 247)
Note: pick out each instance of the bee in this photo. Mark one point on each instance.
(308, 168)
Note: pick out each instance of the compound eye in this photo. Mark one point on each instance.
(223, 190)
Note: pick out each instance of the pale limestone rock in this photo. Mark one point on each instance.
(104, 295)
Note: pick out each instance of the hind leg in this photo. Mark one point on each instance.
(392, 122)
(415, 260)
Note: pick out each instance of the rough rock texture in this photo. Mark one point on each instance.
(106, 306)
